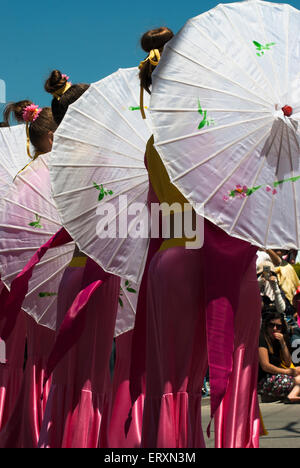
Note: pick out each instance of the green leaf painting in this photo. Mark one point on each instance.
(129, 288)
(260, 48)
(37, 223)
(47, 294)
(103, 192)
(205, 121)
(132, 108)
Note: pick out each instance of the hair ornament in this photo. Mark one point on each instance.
(153, 58)
(61, 91)
(31, 113)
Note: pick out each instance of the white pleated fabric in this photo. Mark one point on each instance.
(13, 155)
(217, 109)
(28, 219)
(99, 180)
(127, 307)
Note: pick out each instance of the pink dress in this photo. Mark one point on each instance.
(124, 431)
(126, 420)
(77, 410)
(23, 427)
(237, 422)
(11, 373)
(192, 321)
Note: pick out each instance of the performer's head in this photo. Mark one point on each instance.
(152, 42)
(63, 92)
(40, 128)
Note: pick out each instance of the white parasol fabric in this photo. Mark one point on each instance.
(28, 219)
(13, 154)
(225, 108)
(128, 299)
(97, 164)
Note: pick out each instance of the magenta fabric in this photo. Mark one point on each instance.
(71, 328)
(78, 406)
(124, 433)
(23, 427)
(226, 261)
(19, 286)
(176, 350)
(127, 413)
(11, 373)
(237, 423)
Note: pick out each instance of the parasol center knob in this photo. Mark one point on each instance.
(287, 110)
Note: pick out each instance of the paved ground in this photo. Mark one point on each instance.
(282, 423)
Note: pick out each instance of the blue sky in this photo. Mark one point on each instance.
(86, 39)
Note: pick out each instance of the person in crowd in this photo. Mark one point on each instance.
(273, 299)
(278, 378)
(287, 277)
(268, 255)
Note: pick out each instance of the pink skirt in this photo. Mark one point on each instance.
(23, 427)
(176, 350)
(237, 421)
(125, 427)
(11, 373)
(77, 410)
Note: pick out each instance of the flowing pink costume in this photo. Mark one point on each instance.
(11, 373)
(126, 420)
(23, 427)
(193, 321)
(78, 405)
(237, 421)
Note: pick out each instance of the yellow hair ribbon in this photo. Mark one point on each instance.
(28, 141)
(60, 92)
(142, 103)
(153, 58)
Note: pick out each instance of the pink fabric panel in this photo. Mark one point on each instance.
(124, 432)
(19, 287)
(11, 373)
(78, 405)
(237, 421)
(23, 427)
(176, 350)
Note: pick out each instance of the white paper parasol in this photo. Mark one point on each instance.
(98, 159)
(225, 108)
(28, 219)
(128, 299)
(13, 154)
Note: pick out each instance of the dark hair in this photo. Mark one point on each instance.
(3, 124)
(265, 324)
(57, 81)
(153, 39)
(37, 129)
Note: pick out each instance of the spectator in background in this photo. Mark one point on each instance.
(278, 378)
(268, 255)
(273, 299)
(287, 277)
